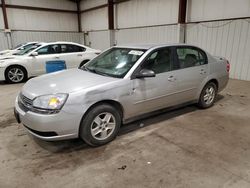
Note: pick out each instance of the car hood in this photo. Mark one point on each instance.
(66, 81)
(10, 57)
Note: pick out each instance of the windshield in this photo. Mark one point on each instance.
(27, 50)
(18, 46)
(115, 62)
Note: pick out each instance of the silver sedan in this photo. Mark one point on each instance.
(121, 85)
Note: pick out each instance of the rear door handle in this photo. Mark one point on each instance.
(57, 57)
(171, 78)
(79, 54)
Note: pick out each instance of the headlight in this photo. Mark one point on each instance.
(50, 102)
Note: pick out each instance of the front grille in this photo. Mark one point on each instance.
(24, 102)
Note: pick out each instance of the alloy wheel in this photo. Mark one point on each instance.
(16, 74)
(103, 126)
(209, 95)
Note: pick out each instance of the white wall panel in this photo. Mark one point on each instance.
(57, 4)
(1, 20)
(3, 41)
(160, 34)
(99, 39)
(86, 4)
(95, 20)
(25, 36)
(230, 39)
(200, 10)
(146, 12)
(20, 19)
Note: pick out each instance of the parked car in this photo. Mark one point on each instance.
(32, 61)
(122, 84)
(17, 48)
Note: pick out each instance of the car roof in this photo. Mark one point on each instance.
(149, 46)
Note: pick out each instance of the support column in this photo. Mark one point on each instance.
(79, 16)
(6, 25)
(111, 22)
(181, 28)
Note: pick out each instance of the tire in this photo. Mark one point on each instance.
(15, 74)
(208, 95)
(83, 63)
(100, 119)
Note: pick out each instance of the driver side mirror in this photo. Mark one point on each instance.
(145, 73)
(34, 54)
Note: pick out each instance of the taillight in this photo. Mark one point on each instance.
(228, 66)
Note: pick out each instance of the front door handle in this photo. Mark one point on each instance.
(171, 78)
(57, 57)
(79, 54)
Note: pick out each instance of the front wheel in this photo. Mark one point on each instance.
(100, 125)
(208, 95)
(15, 74)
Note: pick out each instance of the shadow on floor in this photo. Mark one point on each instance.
(77, 144)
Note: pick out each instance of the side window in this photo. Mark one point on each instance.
(50, 49)
(74, 48)
(159, 61)
(190, 57)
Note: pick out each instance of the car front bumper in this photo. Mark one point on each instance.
(60, 126)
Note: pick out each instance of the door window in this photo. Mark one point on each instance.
(50, 49)
(190, 57)
(159, 61)
(70, 48)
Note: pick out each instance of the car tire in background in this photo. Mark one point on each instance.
(100, 125)
(15, 74)
(208, 95)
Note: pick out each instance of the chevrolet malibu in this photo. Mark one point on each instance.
(122, 84)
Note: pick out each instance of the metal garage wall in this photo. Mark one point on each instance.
(20, 19)
(230, 39)
(3, 41)
(138, 13)
(160, 34)
(24, 36)
(99, 39)
(94, 20)
(57, 4)
(200, 10)
(87, 4)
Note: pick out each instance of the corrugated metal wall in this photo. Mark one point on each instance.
(160, 34)
(230, 39)
(3, 41)
(99, 39)
(23, 36)
(33, 25)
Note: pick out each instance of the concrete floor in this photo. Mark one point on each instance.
(187, 147)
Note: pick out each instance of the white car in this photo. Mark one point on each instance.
(32, 61)
(17, 48)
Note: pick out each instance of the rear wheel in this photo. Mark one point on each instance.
(15, 74)
(100, 125)
(208, 95)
